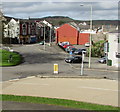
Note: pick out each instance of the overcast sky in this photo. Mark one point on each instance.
(103, 10)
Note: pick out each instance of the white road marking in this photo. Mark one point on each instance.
(33, 84)
(102, 89)
(14, 80)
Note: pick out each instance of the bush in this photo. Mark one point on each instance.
(97, 49)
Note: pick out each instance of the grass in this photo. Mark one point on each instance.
(5, 59)
(60, 102)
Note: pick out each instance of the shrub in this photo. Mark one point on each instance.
(97, 49)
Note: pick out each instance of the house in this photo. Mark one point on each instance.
(27, 31)
(11, 31)
(32, 30)
(114, 49)
(71, 32)
(2, 20)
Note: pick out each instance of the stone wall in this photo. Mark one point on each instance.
(98, 37)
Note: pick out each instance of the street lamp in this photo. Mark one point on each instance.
(90, 34)
(44, 36)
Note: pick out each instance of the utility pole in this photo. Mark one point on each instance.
(44, 36)
(90, 37)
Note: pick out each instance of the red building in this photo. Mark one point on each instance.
(27, 31)
(32, 31)
(70, 33)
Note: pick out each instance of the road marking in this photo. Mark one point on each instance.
(99, 89)
(14, 80)
(33, 84)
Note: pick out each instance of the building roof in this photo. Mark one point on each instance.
(73, 24)
(84, 27)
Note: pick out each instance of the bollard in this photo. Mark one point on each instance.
(55, 68)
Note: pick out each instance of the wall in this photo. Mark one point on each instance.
(67, 33)
(83, 38)
(113, 49)
(98, 36)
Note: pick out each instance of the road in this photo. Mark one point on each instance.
(40, 62)
(13, 105)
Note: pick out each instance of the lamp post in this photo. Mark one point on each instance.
(50, 37)
(90, 39)
(44, 36)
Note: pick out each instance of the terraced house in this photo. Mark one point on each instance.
(24, 31)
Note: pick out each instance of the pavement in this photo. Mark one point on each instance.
(98, 91)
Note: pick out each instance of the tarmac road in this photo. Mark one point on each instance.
(13, 105)
(38, 61)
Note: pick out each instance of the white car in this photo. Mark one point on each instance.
(87, 44)
(102, 60)
(65, 43)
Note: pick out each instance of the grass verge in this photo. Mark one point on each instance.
(9, 58)
(60, 102)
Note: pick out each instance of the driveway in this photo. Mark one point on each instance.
(38, 61)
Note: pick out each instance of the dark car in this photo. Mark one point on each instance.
(74, 59)
(79, 51)
(102, 60)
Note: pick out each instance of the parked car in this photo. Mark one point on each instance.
(63, 43)
(72, 50)
(65, 46)
(69, 48)
(79, 51)
(74, 59)
(102, 60)
(41, 43)
(87, 44)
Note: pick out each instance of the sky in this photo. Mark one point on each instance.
(75, 9)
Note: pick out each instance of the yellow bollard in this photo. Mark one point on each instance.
(55, 68)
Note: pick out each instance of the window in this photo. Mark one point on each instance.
(24, 29)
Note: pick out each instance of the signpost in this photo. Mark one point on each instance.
(82, 64)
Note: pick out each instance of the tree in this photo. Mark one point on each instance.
(61, 22)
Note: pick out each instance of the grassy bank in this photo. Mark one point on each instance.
(9, 58)
(60, 102)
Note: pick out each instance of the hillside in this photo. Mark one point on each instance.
(55, 20)
(59, 20)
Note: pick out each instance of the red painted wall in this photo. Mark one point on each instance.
(83, 38)
(67, 33)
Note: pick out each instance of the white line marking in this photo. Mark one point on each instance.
(99, 89)
(14, 80)
(33, 84)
